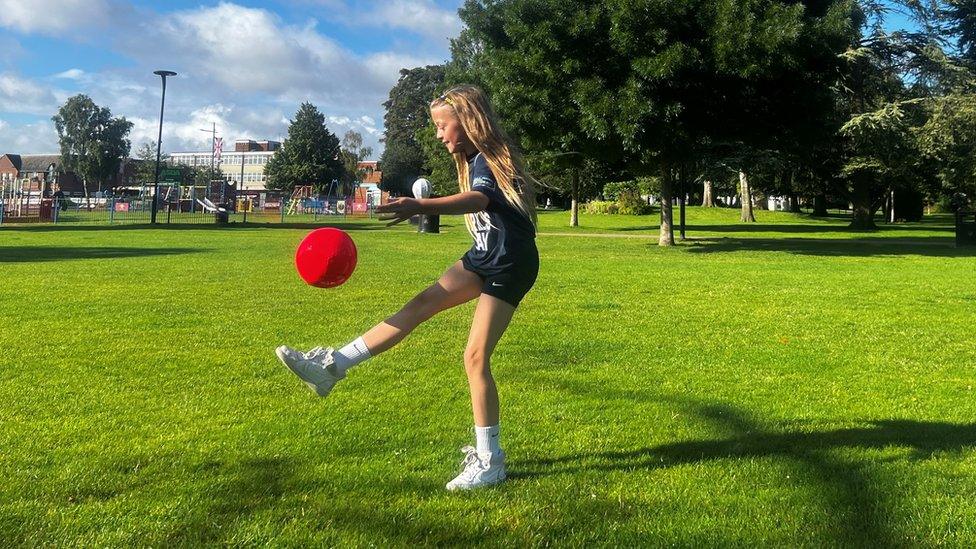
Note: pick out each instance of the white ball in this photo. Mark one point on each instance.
(421, 188)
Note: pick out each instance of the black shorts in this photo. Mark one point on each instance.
(511, 284)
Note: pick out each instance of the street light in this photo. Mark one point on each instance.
(159, 143)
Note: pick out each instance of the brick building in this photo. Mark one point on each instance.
(373, 174)
(44, 175)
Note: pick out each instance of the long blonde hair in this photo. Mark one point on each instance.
(480, 124)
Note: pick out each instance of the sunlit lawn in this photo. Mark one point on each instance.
(786, 383)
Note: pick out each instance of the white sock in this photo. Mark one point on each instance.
(351, 355)
(487, 439)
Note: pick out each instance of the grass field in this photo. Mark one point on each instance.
(787, 383)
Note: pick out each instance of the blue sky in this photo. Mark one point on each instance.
(244, 65)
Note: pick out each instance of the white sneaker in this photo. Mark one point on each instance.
(316, 368)
(477, 472)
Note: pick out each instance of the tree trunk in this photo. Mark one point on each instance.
(682, 198)
(759, 201)
(708, 201)
(792, 199)
(794, 203)
(863, 211)
(747, 215)
(891, 205)
(820, 205)
(666, 237)
(574, 204)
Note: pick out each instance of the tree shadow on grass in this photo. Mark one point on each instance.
(259, 485)
(846, 487)
(802, 228)
(241, 490)
(861, 247)
(37, 254)
(795, 228)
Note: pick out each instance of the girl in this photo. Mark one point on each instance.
(497, 199)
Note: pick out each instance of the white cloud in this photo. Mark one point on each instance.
(237, 50)
(54, 16)
(26, 96)
(244, 69)
(71, 74)
(420, 16)
(237, 55)
(37, 138)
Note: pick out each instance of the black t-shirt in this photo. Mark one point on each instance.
(504, 236)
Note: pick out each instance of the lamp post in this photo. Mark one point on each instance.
(159, 143)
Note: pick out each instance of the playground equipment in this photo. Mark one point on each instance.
(23, 200)
(209, 207)
(301, 192)
(243, 205)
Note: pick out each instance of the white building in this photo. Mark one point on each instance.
(247, 158)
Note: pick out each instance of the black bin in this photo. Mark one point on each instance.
(429, 224)
(221, 215)
(965, 229)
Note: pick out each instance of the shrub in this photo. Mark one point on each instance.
(632, 204)
(601, 207)
(612, 191)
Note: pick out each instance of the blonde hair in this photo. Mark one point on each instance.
(480, 124)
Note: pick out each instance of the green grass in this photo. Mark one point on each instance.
(790, 384)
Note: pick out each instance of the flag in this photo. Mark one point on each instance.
(218, 146)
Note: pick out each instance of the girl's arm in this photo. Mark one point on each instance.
(401, 209)
(460, 203)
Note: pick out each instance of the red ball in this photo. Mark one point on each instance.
(326, 257)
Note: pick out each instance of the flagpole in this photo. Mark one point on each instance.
(220, 154)
(213, 153)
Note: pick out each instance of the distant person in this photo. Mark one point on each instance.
(58, 197)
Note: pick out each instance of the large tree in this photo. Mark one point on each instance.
(731, 74)
(406, 114)
(892, 83)
(947, 140)
(948, 137)
(310, 155)
(438, 166)
(541, 61)
(662, 82)
(961, 18)
(93, 143)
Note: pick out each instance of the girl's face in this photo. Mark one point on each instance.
(449, 130)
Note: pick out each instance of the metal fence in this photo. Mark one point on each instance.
(126, 210)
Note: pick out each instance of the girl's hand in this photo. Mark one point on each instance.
(399, 210)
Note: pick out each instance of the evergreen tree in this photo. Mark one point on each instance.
(310, 154)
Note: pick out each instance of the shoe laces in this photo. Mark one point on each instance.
(471, 464)
(318, 352)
